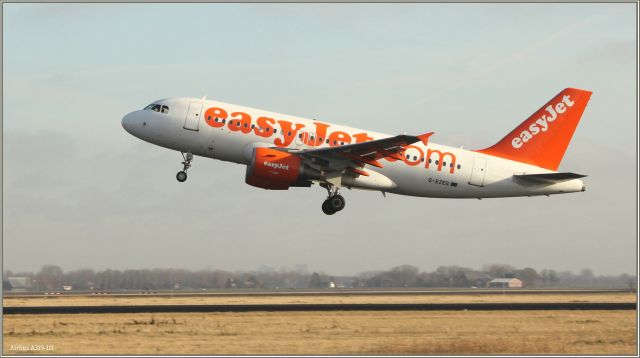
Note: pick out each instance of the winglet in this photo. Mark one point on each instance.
(425, 137)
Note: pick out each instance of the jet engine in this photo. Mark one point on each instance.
(277, 170)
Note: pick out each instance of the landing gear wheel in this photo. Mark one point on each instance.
(326, 208)
(336, 203)
(182, 175)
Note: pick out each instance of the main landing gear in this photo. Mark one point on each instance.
(334, 202)
(182, 175)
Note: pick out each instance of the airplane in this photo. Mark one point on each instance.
(282, 151)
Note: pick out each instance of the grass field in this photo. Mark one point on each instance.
(389, 333)
(273, 299)
(417, 332)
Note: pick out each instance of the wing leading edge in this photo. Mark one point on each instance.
(365, 152)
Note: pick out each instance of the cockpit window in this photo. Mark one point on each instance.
(153, 107)
(157, 108)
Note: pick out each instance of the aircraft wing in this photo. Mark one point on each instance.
(358, 154)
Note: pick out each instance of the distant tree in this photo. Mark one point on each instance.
(403, 276)
(50, 277)
(499, 270)
(448, 276)
(586, 278)
(528, 276)
(316, 281)
(460, 279)
(549, 277)
(79, 279)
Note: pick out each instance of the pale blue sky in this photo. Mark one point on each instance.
(81, 192)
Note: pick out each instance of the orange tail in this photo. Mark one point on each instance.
(543, 138)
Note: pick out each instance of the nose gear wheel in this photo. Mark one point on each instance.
(186, 164)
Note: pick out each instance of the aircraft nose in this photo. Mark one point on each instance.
(126, 122)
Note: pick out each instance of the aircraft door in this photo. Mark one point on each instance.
(478, 171)
(192, 121)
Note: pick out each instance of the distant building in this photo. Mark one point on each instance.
(343, 281)
(20, 283)
(505, 283)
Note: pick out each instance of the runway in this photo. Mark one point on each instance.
(311, 292)
(324, 307)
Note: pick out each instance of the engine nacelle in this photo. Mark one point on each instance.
(274, 169)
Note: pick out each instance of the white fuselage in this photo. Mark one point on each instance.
(457, 173)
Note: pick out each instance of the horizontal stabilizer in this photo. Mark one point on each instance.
(548, 177)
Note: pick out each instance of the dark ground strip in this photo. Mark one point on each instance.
(324, 307)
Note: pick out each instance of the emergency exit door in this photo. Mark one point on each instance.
(478, 171)
(192, 120)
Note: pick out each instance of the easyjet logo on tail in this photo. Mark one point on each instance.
(542, 124)
(543, 137)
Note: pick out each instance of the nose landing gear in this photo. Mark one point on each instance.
(334, 202)
(182, 175)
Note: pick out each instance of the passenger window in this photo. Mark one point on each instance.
(458, 166)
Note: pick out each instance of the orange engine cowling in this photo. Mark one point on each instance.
(273, 169)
